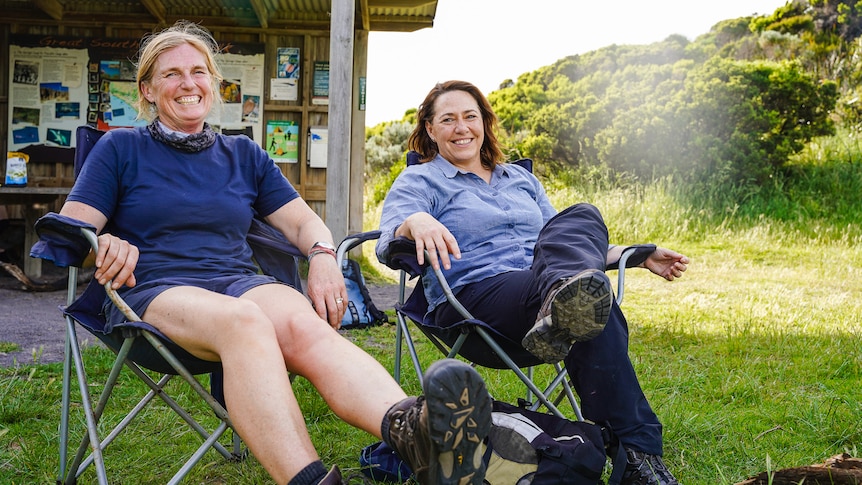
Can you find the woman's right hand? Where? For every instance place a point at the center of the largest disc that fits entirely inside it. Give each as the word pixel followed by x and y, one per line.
pixel 116 260
pixel 432 236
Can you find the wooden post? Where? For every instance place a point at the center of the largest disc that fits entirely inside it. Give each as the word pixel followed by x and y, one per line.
pixel 357 150
pixel 340 111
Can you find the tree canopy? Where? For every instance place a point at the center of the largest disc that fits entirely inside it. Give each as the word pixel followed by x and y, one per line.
pixel 732 106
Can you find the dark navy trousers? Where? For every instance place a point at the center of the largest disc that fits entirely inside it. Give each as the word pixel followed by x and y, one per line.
pixel 574 240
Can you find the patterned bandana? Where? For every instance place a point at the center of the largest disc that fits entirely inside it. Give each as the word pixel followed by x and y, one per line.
pixel 183 141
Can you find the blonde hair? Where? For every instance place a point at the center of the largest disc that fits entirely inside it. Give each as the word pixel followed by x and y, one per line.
pixel 153 45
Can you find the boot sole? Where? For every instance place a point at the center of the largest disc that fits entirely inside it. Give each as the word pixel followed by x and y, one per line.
pixel 459 419
pixel 579 311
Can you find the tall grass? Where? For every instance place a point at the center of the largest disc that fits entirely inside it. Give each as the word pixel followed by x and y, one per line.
pixel 751 360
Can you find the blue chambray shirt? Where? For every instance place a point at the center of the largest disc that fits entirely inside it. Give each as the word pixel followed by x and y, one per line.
pixel 496 224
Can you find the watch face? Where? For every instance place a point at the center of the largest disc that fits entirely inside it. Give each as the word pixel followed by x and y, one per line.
pixel 325 245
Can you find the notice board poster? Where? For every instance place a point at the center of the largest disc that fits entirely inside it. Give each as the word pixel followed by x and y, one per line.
pixel 241 91
pixel 60 83
pixel 282 141
pixel 320 85
pixel 48 93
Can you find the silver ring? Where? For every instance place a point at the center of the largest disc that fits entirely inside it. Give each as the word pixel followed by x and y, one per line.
pixel 339 300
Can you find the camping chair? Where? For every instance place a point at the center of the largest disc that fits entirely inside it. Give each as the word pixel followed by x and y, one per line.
pixel 138 346
pixel 471 339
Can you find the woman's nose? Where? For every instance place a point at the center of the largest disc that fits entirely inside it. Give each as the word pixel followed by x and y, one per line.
pixel 187 80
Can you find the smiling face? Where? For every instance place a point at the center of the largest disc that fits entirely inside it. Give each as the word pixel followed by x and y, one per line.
pixel 181 88
pixel 457 129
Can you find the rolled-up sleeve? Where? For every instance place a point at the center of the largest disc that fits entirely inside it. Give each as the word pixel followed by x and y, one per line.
pixel 408 195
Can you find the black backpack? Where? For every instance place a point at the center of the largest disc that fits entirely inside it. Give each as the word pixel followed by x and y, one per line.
pixel 531 448
pixel 361 311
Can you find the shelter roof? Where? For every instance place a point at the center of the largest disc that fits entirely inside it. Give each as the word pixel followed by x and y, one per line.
pixel 372 15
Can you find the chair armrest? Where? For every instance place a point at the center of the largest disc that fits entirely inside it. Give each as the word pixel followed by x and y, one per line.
pixel 353 240
pixel 402 256
pixel 631 257
pixel 61 240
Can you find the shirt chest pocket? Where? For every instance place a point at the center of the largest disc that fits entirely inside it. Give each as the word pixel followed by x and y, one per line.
pixel 475 220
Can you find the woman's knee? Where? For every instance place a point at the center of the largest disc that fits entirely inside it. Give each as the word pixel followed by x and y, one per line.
pixel 243 317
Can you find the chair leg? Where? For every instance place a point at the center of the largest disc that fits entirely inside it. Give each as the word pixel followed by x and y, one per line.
pixel 64 410
pixel 71 294
pixel 411 347
pixel 212 441
pixel 517 370
pixel 89 414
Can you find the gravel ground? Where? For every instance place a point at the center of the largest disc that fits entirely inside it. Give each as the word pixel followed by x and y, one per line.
pixel 33 321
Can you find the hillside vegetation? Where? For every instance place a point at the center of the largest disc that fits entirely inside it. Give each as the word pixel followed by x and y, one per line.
pixel 741 149
pixel 757 118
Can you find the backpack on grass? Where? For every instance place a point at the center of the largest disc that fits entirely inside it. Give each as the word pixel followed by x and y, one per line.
pixel 361 311
pixel 528 447
pixel 524 448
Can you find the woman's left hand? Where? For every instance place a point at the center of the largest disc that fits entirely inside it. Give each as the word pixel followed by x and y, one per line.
pixel 326 289
pixel 667 263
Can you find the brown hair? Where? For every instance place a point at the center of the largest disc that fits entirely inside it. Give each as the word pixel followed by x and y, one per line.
pixel 152 46
pixel 490 153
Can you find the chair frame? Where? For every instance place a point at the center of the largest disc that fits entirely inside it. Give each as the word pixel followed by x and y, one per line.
pixel 535 396
pixel 69 472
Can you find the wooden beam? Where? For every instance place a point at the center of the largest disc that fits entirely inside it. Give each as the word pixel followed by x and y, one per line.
pixel 405 24
pixel 357 138
pixel 364 15
pixel 400 3
pixel 261 12
pixel 53 8
pixel 157 10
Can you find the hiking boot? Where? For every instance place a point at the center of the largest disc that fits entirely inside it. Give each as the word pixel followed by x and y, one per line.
pixel 574 311
pixel 644 469
pixel 439 434
pixel 332 478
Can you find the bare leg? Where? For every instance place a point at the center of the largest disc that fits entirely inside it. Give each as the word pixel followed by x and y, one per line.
pixel 258 337
pixel 258 394
pixel 342 372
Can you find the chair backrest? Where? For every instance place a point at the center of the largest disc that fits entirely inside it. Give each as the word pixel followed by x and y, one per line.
pixel 86 138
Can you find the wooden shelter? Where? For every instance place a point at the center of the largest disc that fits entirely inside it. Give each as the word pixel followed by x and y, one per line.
pixel 324 107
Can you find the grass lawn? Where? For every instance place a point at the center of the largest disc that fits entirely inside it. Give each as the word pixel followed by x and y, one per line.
pixel 752 361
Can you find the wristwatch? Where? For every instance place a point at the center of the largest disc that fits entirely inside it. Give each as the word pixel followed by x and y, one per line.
pixel 322 245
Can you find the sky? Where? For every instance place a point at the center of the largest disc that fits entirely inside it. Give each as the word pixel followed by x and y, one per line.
pixel 486 42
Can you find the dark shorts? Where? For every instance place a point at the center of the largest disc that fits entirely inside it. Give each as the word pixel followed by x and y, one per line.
pixel 140 297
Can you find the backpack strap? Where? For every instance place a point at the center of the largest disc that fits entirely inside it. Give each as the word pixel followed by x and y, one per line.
pixel 617 455
pixel 618 466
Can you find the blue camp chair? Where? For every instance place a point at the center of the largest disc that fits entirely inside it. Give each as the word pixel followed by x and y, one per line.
pixel 471 339
pixel 140 347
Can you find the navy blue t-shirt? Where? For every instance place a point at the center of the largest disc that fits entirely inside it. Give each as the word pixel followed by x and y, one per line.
pixel 188 213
